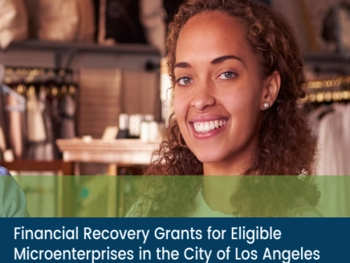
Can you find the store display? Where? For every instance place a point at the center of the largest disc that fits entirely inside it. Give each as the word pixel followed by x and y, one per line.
pixel 123 132
pixel 65 20
pixel 13 22
pixel 135 125
pixel 139 126
pixel 49 96
pixel 149 129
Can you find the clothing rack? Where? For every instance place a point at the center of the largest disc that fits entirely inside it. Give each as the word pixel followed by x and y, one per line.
pixel 6 90
pixel 38 106
pixel 31 79
pixel 328 90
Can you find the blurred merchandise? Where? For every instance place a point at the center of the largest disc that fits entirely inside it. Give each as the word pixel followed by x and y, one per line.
pixel 139 126
pixel 38 109
pixel 123 132
pixel 64 20
pixel 336 27
pixel 135 125
pixel 153 20
pixel 149 130
pixel 14 22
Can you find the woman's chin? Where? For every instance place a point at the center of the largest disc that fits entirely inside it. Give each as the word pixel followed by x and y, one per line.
pixel 205 158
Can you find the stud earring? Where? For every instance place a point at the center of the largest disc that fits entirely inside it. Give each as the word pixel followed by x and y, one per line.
pixel 266 105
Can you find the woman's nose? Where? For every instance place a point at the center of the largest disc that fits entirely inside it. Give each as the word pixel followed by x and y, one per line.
pixel 202 98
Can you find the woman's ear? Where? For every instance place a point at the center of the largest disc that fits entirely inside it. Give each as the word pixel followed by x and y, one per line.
pixel 270 90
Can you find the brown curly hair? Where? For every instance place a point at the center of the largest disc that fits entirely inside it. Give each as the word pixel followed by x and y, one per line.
pixel 285 145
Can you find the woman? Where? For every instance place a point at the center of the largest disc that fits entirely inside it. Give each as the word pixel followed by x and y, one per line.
pixel 237 76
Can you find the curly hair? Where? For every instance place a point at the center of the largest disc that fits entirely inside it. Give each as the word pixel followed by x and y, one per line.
pixel 285 145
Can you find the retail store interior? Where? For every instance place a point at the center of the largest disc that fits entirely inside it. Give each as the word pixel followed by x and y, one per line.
pixel 85 91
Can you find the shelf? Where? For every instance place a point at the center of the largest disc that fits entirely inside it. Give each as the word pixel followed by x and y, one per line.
pixel 121 151
pixel 64 53
pixel 327 58
pixel 83 47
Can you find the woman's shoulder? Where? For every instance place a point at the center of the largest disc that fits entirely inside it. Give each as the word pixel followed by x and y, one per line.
pixel 304 209
pixel 141 207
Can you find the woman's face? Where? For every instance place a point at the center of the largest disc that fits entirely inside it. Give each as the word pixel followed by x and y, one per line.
pixel 219 92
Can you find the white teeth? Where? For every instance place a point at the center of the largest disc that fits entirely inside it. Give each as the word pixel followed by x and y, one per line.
pixel 212 125
pixel 216 124
pixel 196 126
pixel 208 125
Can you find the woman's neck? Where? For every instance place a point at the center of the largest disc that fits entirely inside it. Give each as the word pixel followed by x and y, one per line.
pixel 218 190
pixel 235 164
pixel 222 179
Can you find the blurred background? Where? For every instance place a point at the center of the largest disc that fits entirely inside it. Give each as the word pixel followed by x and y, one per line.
pixel 85 91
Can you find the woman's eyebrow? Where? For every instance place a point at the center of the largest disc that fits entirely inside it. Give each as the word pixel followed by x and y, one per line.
pixel 223 58
pixel 215 61
pixel 182 65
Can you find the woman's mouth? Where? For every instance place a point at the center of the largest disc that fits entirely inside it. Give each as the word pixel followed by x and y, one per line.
pixel 207 126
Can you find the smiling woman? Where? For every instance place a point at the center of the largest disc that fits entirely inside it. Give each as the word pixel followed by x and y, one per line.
pixel 220 92
pixel 237 76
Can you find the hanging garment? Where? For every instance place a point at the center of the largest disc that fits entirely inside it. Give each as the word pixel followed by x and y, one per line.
pixel 56 122
pixel 49 144
pixel 14 25
pixel 64 20
pixel 35 121
pixel 68 117
pixel 86 29
pixel 15 127
pixel 35 128
pixel 152 19
pixel 315 116
pixel 2 139
pixel 3 146
pixel 333 166
pixel 334 142
pixel 335 27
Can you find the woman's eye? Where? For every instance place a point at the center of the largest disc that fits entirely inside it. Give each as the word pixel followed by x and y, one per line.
pixel 227 75
pixel 184 81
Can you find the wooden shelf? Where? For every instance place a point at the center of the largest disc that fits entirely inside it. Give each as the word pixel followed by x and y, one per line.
pixel 329 63
pixel 75 55
pixel 120 151
pixel 84 47
pixel 327 58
